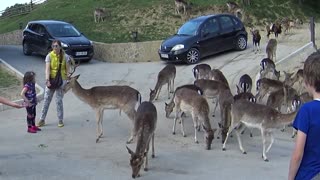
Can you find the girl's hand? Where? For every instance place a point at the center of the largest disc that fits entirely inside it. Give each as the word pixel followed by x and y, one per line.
pixel 48 83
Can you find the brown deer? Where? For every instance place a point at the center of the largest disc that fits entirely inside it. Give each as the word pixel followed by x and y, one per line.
pixel 100 98
pixel 274 28
pixel 281 97
pixel 187 100
pixel 259 116
pixel 99 14
pixel 211 89
pixel 180 4
pixel 266 85
pixel 216 74
pixel 232 6
pixel 271 49
pixel 165 76
pixel 145 123
pixel 201 71
pixel 268 69
pixel 245 84
pixel 256 37
pixel 169 107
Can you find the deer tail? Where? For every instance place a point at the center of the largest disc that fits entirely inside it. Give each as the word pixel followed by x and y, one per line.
pixel 195 72
pixel 226 120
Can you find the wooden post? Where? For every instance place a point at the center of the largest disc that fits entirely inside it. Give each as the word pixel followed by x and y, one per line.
pixel 312 31
pixel 31 5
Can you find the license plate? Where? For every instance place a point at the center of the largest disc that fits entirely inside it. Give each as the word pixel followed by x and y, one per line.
pixel 82 53
pixel 164 55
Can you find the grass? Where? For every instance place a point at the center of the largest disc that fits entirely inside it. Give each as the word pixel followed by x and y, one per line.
pixel 7 79
pixel 153 19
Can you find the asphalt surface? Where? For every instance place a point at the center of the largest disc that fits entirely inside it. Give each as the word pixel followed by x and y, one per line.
pixel 70 152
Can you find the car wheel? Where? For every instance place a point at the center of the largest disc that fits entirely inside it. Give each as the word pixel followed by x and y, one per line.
pixel 193 56
pixel 26 49
pixel 241 43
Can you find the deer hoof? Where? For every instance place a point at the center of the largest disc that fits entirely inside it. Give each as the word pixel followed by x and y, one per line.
pixel 244 152
pixel 213 115
pixel 223 149
pixel 218 137
pixel 173 133
pixel 153 156
pixel 97 140
pixel 282 130
pixel 251 135
pixel 184 135
pixel 145 169
pixel 266 160
pixel 197 142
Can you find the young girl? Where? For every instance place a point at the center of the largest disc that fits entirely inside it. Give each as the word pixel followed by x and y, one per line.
pixel 29 95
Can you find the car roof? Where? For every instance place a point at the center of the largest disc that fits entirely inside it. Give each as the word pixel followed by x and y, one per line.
pixel 45 22
pixel 203 18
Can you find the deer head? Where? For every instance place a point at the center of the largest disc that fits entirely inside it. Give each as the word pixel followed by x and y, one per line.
pixel 208 136
pixel 70 83
pixel 169 108
pixel 136 161
pixel 153 94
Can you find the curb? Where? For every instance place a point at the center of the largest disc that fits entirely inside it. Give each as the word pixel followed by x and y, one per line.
pixel 20 76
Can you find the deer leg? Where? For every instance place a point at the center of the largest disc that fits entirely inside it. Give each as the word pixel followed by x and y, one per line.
pixel 158 93
pixel 172 86
pixel 215 107
pixel 232 126
pixel 271 142
pixel 175 119
pixel 99 129
pixel 153 154
pixel 182 127
pixel 195 125
pixel 263 135
pixel 130 113
pixel 169 87
pixel 146 157
pixel 240 128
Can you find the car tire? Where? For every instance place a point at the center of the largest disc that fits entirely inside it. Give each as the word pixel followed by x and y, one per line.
pixel 26 49
pixel 241 43
pixel 193 56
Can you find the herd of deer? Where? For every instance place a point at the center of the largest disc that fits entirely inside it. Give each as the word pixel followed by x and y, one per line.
pixel 237 111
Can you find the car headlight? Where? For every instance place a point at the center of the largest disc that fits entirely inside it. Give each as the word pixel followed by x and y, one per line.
pixel 91 43
pixel 177 47
pixel 64 44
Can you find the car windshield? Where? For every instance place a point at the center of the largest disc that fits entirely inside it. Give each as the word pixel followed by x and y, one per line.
pixel 189 28
pixel 63 30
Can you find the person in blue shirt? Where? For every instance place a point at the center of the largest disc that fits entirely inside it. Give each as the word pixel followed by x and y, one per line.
pixel 305 160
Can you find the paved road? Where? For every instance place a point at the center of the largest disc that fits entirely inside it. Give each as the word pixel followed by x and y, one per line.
pixel 70 152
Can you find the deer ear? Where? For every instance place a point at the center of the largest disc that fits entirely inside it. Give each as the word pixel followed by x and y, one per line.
pixel 204 127
pixel 77 76
pixel 238 89
pixel 166 104
pixel 150 90
pixel 129 150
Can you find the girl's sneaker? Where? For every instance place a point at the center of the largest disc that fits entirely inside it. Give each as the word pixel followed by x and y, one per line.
pixel 41 123
pixel 36 128
pixel 31 130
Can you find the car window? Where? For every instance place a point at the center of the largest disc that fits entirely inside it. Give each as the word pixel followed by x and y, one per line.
pixel 63 30
pixel 33 27
pixel 237 23
pixel 189 28
pixel 211 26
pixel 41 29
pixel 226 22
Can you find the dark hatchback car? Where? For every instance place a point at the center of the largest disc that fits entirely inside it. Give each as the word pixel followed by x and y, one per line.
pixel 38 36
pixel 204 36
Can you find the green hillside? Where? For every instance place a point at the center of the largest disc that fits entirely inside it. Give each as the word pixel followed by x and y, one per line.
pixel 153 19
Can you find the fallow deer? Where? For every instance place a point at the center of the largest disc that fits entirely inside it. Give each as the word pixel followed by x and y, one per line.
pixel 169 107
pixel 256 37
pixel 281 97
pixel 99 14
pixel 275 28
pixel 180 4
pixel 165 76
pixel 268 69
pixel 145 123
pixel 266 85
pixel 216 74
pixel 232 6
pixel 259 116
pixel 187 100
pixel 298 77
pixel 271 49
pixel 201 71
pixel 245 84
pixel 100 98
pixel 211 89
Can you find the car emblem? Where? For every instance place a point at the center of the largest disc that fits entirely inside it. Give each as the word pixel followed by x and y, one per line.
pixel 165 47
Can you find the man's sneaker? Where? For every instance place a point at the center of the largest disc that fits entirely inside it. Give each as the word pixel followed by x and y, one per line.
pixel 60 124
pixel 31 130
pixel 36 128
pixel 41 123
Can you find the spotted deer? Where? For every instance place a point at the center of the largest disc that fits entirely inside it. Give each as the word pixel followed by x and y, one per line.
pixel 265 118
pixel 201 71
pixel 187 100
pixel 271 49
pixel 245 84
pixel 145 123
pixel 100 98
pixel 169 107
pixel 165 76
pixel 211 89
pixel 283 96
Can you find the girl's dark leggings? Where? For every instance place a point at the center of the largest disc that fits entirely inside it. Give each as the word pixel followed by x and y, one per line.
pixel 31 115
